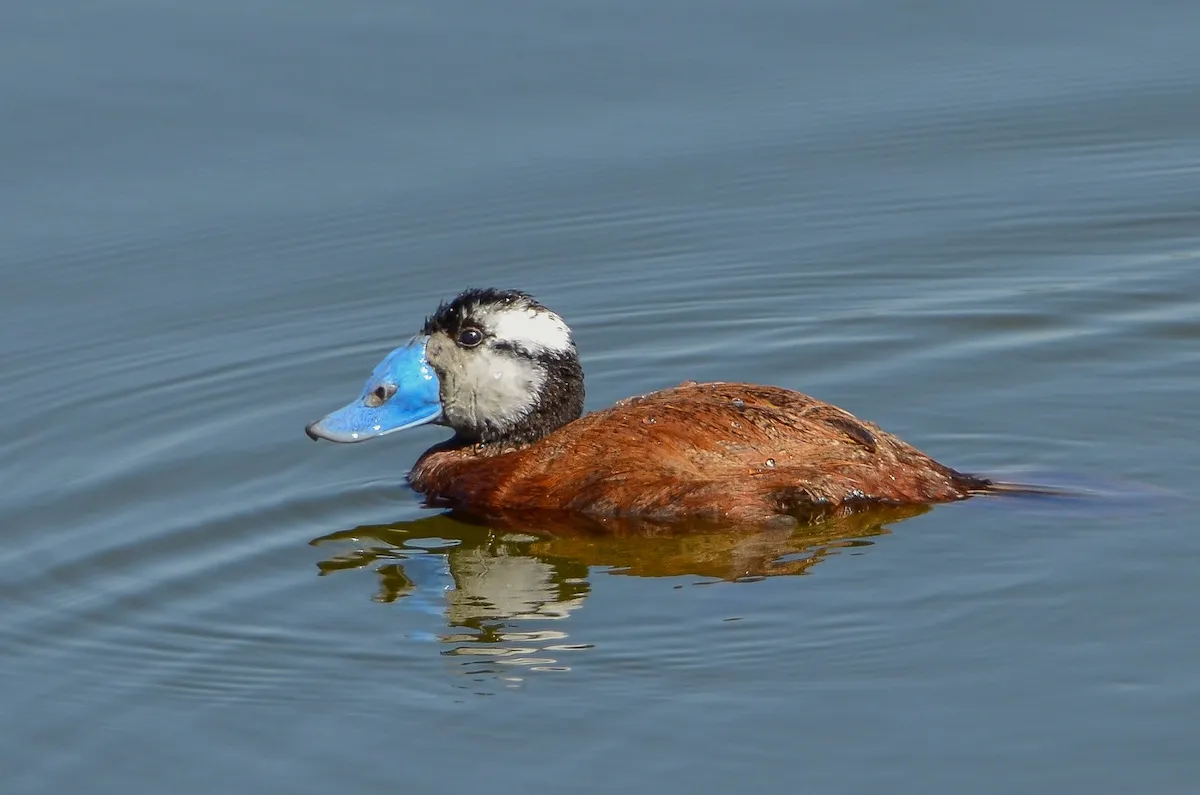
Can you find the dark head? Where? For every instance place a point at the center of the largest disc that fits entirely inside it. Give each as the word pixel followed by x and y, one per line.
pixel 494 365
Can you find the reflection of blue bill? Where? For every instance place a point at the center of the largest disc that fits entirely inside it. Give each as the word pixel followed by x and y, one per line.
pixel 430 574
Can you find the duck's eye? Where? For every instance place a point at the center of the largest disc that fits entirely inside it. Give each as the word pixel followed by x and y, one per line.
pixel 470 337
pixel 380 395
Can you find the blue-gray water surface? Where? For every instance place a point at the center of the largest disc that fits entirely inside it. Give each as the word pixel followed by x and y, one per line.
pixel 975 224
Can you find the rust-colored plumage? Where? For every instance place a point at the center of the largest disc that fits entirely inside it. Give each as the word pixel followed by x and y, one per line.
pixel 723 451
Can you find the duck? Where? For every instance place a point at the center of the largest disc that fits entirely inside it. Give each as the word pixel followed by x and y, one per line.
pixel 502 371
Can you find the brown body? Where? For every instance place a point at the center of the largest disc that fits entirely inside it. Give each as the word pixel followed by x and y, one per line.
pixel 720 451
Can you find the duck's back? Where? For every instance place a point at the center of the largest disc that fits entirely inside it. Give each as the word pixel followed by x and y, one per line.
pixel 740 452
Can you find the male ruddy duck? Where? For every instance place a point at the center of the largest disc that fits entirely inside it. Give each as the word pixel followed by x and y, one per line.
pixel 502 371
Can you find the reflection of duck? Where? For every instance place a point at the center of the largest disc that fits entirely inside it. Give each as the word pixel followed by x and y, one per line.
pixel 518 567
pixel 502 371
pixel 503 586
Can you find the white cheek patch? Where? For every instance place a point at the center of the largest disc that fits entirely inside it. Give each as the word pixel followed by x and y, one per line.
pixel 503 388
pixel 536 330
pixel 482 388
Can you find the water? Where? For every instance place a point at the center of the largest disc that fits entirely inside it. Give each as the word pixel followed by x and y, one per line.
pixel 976 225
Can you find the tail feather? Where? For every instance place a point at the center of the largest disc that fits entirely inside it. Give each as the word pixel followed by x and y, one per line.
pixel 1069 489
pixel 984 487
